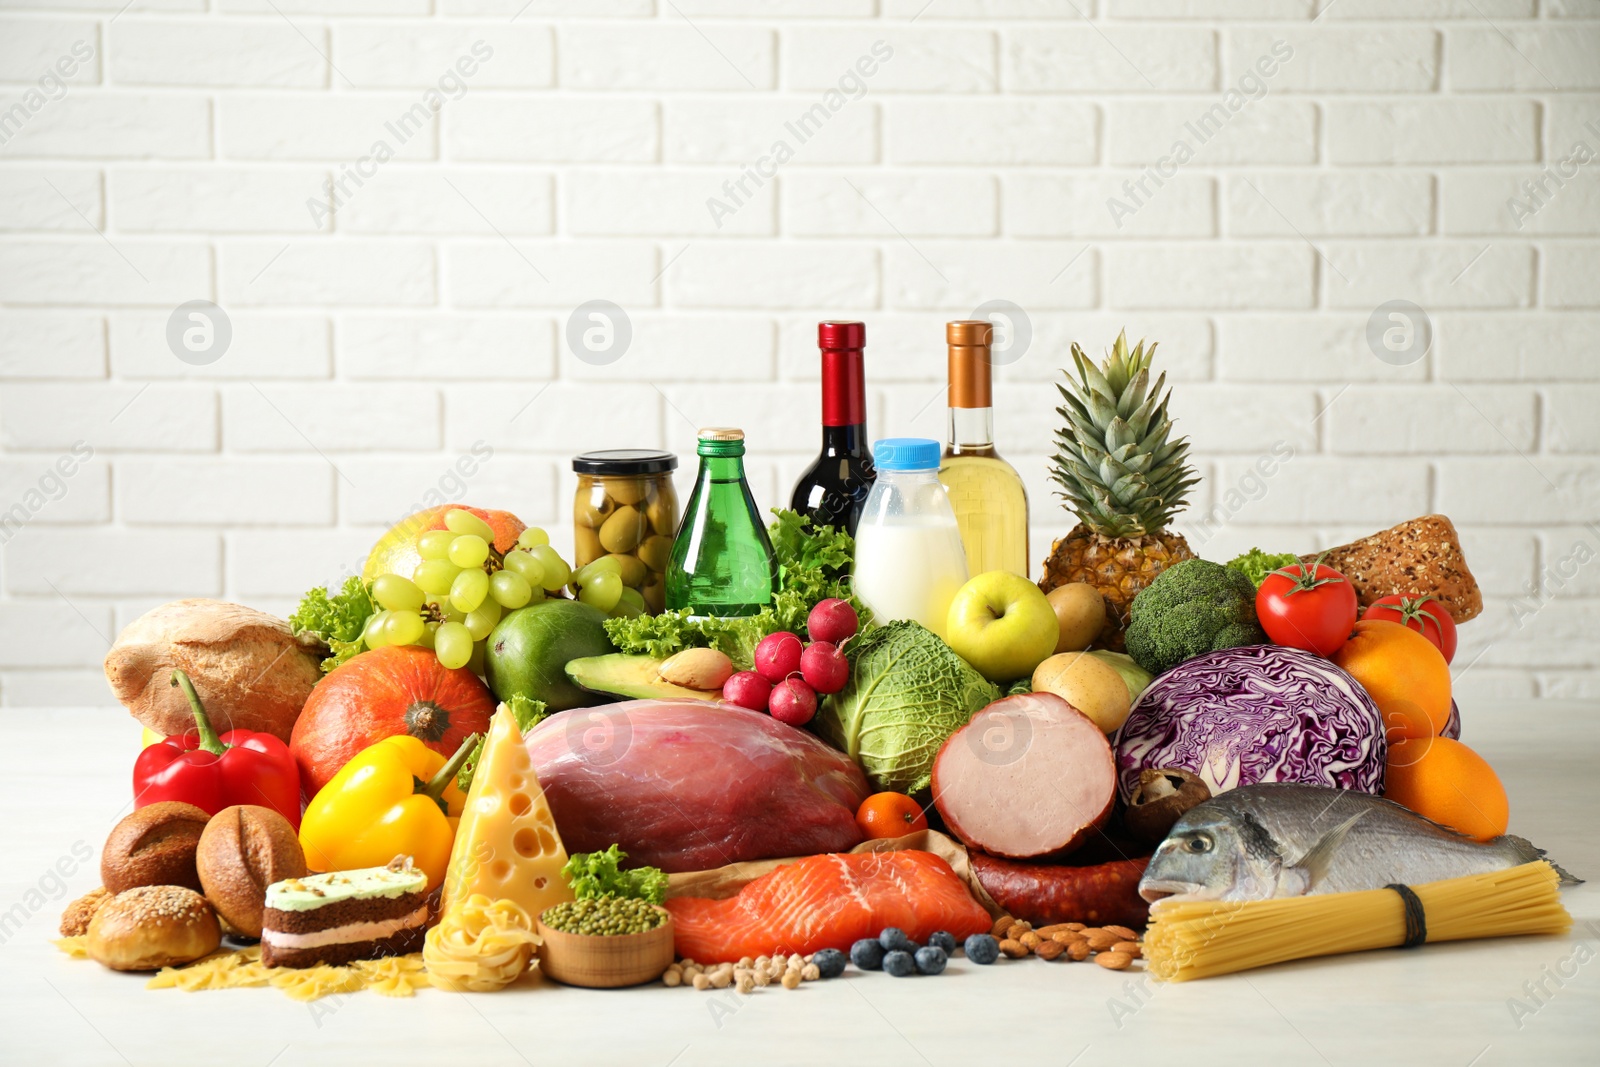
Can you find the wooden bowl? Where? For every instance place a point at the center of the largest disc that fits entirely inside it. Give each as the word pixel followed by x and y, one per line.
pixel 609 961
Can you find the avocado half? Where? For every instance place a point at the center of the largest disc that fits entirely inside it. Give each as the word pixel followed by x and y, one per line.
pixel 631 678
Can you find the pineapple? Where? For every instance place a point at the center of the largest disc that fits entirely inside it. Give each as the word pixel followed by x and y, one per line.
pixel 1124 479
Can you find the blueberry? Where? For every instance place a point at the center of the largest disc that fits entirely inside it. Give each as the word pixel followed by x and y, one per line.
pixel 830 961
pixel 868 954
pixel 894 939
pixel 899 964
pixel 942 939
pixel 931 959
pixel 982 948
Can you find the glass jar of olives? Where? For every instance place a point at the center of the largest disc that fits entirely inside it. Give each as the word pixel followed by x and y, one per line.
pixel 626 508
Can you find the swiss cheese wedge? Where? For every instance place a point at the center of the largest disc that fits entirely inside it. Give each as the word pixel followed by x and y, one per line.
pixel 506 846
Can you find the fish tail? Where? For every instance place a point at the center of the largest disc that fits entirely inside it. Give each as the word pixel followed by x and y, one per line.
pixel 1526 851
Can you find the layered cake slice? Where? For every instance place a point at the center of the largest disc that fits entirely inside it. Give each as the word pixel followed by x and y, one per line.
pixel 345 915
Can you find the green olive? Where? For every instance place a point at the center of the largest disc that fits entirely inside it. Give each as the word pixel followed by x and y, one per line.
pixel 592 512
pixel 585 546
pixel 633 571
pixel 655 552
pixel 662 511
pixel 627 490
pixel 621 532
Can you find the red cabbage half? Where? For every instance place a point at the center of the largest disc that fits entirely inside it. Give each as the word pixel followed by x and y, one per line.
pixel 1260 713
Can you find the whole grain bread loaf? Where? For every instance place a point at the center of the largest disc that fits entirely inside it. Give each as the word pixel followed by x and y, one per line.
pixel 1421 556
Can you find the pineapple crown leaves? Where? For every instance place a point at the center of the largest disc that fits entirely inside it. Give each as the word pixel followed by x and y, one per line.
pixel 1115 462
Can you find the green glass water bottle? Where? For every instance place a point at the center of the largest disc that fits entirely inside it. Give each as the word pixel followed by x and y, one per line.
pixel 722 562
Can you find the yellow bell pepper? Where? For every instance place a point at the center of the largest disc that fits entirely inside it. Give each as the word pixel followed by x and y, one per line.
pixel 396 797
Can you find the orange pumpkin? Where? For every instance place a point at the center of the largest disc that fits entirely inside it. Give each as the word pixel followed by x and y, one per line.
pixel 399 689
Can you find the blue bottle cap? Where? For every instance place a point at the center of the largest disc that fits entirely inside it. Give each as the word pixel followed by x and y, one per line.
pixel 905 454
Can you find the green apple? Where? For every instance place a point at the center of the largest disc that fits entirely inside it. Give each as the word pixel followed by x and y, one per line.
pixel 1003 625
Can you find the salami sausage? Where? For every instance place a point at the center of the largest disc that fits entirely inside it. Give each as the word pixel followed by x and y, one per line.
pixel 1046 893
pixel 1029 776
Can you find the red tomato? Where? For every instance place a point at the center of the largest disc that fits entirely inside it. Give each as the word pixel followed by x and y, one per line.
pixel 1424 614
pixel 1309 608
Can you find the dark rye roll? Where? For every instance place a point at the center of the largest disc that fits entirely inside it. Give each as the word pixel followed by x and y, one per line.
pixel 344 916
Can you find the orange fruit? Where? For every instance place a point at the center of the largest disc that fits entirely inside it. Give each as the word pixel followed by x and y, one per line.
pixel 1406 676
pixel 396 551
pixel 1449 783
pixel 885 815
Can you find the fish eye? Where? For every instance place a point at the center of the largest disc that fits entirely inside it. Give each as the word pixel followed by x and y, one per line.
pixel 1198 843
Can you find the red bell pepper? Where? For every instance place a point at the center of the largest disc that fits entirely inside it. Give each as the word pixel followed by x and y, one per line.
pixel 212 773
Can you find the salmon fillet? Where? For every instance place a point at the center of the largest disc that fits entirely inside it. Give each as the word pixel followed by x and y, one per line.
pixel 828 901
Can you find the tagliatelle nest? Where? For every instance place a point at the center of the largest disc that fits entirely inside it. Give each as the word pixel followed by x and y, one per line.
pixel 480 945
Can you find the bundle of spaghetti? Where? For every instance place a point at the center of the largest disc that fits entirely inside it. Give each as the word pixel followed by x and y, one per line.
pixel 1200 939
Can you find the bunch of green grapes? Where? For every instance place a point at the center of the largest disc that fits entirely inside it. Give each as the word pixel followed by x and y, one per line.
pixel 457 594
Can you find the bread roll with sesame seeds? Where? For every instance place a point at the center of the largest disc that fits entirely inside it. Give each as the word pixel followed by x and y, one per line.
pixel 151 927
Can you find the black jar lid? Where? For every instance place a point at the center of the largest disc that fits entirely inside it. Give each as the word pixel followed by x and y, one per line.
pixel 625 461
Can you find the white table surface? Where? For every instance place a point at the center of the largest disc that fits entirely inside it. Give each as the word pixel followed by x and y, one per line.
pixel 67 782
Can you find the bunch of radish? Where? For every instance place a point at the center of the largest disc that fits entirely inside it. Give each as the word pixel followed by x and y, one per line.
pixel 790 673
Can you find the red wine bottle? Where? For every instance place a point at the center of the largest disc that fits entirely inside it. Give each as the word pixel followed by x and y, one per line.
pixel 835 486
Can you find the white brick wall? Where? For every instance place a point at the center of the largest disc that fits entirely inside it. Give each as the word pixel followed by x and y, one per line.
pixel 397 301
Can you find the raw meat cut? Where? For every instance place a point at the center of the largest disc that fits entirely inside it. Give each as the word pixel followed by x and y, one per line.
pixel 1028 776
pixel 685 785
pixel 829 902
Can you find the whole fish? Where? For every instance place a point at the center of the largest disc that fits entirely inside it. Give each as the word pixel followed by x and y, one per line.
pixel 1262 841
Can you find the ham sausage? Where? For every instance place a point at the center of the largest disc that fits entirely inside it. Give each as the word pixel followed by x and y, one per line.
pixel 1046 893
pixel 1028 776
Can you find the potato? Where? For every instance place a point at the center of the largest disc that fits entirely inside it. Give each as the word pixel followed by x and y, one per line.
pixel 1091 685
pixel 1080 612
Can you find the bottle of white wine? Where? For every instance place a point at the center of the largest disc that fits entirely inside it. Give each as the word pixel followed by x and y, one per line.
pixel 988 496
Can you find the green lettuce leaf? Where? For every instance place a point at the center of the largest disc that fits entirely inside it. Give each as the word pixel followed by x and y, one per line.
pixel 814 564
pixel 337 620
pixel 599 874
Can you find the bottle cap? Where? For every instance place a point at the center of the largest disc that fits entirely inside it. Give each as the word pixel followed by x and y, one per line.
pixel 834 335
pixel 722 433
pixel 625 461
pixel 969 341
pixel 905 454
pixel 969 333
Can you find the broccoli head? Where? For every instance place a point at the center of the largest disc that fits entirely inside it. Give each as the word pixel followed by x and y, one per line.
pixel 1192 608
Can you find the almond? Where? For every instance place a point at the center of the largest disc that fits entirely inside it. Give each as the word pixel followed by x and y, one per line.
pixel 1101 940
pixel 1078 951
pixel 1001 925
pixel 1130 947
pixel 1049 950
pixel 697 668
pixel 1114 961
pixel 1122 932
pixel 1031 939
pixel 1014 949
